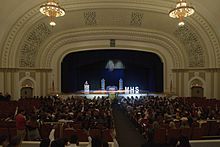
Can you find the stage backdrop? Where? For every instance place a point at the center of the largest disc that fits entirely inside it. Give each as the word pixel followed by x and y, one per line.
pixel 136 68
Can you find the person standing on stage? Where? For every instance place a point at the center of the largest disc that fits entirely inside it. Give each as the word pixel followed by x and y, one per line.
pixel 20 124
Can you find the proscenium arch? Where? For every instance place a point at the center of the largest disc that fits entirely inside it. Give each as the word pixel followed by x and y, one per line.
pixel 137 68
pixel 12 39
pixel 70 50
pixel 99 38
pixel 158 47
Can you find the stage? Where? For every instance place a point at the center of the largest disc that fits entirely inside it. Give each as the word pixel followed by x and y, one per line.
pixel 103 93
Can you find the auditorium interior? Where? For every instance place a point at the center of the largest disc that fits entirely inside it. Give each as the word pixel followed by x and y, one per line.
pixel 122 72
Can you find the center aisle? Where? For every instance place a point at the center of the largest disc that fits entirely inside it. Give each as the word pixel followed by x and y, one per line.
pixel 127 134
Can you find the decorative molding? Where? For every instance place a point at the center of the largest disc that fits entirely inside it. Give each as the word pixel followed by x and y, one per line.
pixel 136 18
pixel 33 75
pixel 31 44
pixel 160 39
pixel 90 18
pixel 27 83
pixel 25 69
pixel 21 75
pixel 159 6
pixel 196 73
pixel 13 32
pixel 196 69
pixel 202 75
pixel 27 74
pixel 212 36
pixel 191 75
pixel 196 82
pixel 191 43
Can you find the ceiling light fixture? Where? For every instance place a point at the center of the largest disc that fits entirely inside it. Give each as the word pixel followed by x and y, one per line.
pixel 52 10
pixel 181 10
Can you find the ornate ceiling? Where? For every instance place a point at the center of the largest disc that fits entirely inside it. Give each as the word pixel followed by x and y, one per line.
pixel 23 29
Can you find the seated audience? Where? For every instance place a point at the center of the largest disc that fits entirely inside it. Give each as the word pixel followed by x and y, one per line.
pixel 96 142
pixel 74 142
pixel 15 142
pixel 183 142
pixel 3 140
pixel 61 142
pixel 172 125
pixel 45 143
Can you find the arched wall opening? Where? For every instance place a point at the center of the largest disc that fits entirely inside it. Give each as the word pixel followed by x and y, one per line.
pixel 56 60
pixel 135 68
pixel 197 87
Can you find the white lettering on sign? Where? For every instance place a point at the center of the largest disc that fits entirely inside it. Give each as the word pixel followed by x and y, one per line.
pixel 132 90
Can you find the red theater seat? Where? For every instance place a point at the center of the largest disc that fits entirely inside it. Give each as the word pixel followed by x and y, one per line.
pixel 213 128
pixel 160 136
pixel 68 132
pixel 186 132
pixel 4 131
pixel 95 133
pixel 197 133
pixel 12 132
pixel 205 128
pixel 173 135
pixel 82 136
pixel 106 135
pixel 45 130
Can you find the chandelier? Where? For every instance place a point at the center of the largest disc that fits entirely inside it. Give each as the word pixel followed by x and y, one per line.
pixel 52 10
pixel 181 10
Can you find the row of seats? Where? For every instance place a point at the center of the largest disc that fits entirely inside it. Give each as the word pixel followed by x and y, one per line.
pixel 203 102
pixel 170 136
pixel 60 131
pixel 8 108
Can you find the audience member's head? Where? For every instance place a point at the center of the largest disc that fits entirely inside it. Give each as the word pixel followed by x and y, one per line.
pixel 183 142
pixel 74 139
pixel 54 144
pixel 96 142
pixel 15 141
pixel 61 142
pixel 172 125
pixel 105 144
pixel 22 111
pixel 4 140
pixel 156 125
pixel 45 143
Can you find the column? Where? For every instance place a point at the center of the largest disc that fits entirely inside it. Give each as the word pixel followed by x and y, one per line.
pixel 16 85
pixel 46 83
pixel 208 85
pixel 7 77
pixel 177 83
pixel 165 79
pixel 120 84
pixel 212 84
pixel 102 84
pixel 43 83
pixel 37 88
pixel 12 85
pixel 2 88
pixel 182 83
pixel 186 85
pixel 174 83
pixel 216 84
